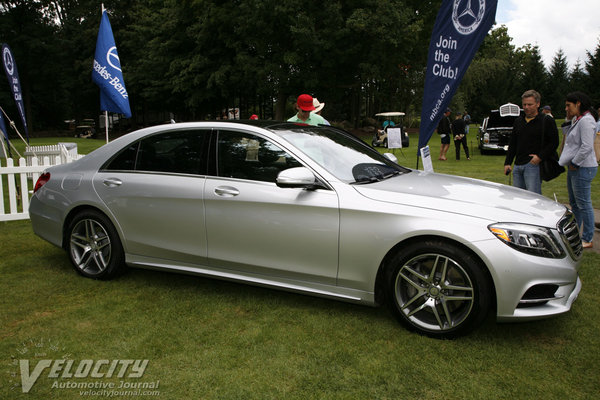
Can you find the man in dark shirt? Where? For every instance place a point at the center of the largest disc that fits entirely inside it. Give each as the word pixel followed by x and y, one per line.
pixel 460 138
pixel 534 138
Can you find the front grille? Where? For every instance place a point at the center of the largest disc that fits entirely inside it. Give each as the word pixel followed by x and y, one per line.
pixel 569 232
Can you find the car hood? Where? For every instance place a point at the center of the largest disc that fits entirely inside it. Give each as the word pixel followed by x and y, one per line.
pixel 491 201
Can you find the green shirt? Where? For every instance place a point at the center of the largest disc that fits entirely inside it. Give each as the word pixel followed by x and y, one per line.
pixel 313 119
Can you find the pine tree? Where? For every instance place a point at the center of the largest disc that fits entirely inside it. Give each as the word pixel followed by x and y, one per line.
pixel 558 84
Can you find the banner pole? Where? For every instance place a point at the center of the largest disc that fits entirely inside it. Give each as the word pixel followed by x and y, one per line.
pixel 7 154
pixel 106 124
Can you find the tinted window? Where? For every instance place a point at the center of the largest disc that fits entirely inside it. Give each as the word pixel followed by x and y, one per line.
pixel 179 152
pixel 125 160
pixel 246 156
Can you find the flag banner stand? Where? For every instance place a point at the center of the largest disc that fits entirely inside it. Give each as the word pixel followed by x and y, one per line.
pixel 459 29
pixel 10 67
pixel 107 73
pixel 106 124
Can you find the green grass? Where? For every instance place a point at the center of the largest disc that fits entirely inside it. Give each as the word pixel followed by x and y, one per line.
pixel 208 339
pixel 84 146
pixel 217 340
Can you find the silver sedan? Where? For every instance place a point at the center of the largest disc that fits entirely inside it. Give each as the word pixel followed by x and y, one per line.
pixel 312 210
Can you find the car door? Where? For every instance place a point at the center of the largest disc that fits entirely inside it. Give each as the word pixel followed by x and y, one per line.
pixel 154 189
pixel 255 226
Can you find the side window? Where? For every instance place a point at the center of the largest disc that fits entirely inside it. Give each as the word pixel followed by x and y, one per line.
pixel 125 160
pixel 182 152
pixel 246 156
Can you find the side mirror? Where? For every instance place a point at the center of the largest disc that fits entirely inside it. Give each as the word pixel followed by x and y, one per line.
pixel 391 157
pixel 299 177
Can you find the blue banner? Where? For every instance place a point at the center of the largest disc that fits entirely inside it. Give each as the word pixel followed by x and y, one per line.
pixel 460 27
pixel 107 72
pixel 10 67
pixel 5 136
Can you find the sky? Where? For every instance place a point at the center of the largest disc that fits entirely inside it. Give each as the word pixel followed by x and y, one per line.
pixel 571 25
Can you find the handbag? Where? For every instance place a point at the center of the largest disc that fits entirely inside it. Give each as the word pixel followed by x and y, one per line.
pixel 550 169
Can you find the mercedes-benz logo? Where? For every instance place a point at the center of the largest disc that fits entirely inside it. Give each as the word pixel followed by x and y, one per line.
pixel 113 58
pixel 466 17
pixel 8 61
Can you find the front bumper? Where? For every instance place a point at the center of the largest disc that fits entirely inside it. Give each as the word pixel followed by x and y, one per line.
pixel 517 275
pixel 566 295
pixel 493 146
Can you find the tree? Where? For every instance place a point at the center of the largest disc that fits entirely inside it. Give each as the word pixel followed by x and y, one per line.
pixel 194 58
pixel 28 32
pixel 592 67
pixel 490 80
pixel 558 84
pixel 531 70
pixel 578 77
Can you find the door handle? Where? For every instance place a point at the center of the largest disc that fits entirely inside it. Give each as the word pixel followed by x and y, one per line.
pixel 112 182
pixel 226 191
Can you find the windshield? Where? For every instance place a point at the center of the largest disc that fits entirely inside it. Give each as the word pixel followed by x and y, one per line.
pixel 345 156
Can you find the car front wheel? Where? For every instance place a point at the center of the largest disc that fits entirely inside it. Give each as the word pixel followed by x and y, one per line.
pixel 437 289
pixel 94 246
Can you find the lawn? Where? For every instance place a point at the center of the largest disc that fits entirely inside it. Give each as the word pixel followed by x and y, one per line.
pixel 209 339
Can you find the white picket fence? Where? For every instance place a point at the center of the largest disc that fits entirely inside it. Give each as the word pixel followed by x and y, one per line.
pixel 17 181
pixel 66 151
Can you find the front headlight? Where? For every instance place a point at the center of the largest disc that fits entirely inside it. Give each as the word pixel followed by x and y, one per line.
pixel 529 239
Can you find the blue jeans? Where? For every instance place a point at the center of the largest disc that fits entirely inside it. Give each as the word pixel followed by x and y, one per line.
pixel 527 176
pixel 579 185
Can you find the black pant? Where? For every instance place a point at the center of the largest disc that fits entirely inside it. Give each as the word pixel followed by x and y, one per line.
pixel 457 143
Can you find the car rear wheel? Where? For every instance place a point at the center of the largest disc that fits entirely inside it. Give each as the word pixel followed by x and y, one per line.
pixel 94 246
pixel 437 289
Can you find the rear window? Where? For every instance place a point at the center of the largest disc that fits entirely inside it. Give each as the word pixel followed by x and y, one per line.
pixel 182 152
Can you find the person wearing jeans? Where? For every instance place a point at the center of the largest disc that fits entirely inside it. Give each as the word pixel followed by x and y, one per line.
pixel 578 155
pixel 527 176
pixel 534 138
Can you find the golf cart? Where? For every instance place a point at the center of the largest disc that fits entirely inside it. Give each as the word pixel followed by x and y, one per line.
pixel 87 129
pixel 389 120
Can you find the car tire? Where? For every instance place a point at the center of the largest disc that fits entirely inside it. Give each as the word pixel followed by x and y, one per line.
pixel 437 289
pixel 94 247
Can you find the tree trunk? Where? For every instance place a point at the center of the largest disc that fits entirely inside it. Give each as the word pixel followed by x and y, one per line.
pixel 280 106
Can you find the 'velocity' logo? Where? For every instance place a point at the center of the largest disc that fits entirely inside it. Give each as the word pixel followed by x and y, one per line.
pixel 467 17
pixel 45 359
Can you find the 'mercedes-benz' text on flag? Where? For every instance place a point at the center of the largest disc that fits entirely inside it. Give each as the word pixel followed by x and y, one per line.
pixel 460 27
pixel 107 72
pixel 10 67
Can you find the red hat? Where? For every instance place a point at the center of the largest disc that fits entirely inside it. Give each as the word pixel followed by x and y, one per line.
pixel 254 116
pixel 305 102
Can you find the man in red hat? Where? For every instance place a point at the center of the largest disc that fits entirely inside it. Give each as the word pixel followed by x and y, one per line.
pixel 304 105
